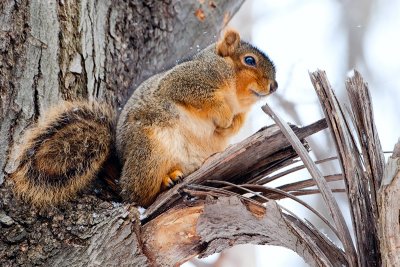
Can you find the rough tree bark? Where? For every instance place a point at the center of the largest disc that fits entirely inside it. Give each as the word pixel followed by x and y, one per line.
pixel 389 199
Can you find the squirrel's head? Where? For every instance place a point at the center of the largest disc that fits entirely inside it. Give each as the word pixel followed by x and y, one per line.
pixel 255 72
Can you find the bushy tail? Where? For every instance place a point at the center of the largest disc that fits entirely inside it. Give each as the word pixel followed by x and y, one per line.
pixel 64 151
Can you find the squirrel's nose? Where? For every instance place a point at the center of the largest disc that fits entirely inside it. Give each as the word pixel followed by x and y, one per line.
pixel 273 86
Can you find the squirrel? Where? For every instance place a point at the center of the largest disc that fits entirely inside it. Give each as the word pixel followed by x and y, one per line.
pixel 170 125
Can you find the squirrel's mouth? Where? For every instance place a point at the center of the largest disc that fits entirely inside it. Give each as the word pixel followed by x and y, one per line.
pixel 258 94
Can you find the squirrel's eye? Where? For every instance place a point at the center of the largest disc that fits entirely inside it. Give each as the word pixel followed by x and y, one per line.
pixel 249 60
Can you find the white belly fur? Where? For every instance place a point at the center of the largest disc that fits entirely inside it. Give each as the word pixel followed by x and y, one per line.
pixel 190 143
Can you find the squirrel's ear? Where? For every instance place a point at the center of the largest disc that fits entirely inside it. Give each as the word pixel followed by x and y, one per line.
pixel 227 45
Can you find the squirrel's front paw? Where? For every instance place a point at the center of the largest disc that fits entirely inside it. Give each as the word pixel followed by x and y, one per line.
pixel 222 115
pixel 237 123
pixel 223 122
pixel 171 179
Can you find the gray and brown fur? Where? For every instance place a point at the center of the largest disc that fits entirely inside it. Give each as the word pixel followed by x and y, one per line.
pixel 171 124
pixel 177 119
pixel 64 151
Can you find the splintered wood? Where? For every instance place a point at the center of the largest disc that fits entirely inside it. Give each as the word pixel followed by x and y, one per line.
pixel 326 193
pixel 357 166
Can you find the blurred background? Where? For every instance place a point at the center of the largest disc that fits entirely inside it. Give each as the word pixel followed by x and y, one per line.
pixel 302 36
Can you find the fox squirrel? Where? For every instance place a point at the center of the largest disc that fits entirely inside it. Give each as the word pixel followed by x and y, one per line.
pixel 170 125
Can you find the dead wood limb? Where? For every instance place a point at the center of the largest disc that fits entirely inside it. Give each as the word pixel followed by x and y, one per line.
pixel 213 225
pixel 260 153
pixel 389 211
pixel 308 183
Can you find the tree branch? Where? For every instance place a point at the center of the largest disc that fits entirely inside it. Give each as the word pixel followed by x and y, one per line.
pixel 209 227
pixel 258 155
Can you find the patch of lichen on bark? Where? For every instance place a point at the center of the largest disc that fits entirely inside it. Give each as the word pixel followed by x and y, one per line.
pixel 72 76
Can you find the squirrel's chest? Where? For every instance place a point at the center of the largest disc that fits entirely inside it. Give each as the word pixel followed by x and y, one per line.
pixel 190 143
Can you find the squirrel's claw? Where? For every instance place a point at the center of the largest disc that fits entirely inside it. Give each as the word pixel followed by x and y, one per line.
pixel 167 182
pixel 171 179
pixel 176 175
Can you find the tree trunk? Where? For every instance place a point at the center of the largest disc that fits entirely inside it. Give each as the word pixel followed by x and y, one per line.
pixel 54 50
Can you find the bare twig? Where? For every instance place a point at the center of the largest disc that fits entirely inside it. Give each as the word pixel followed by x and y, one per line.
pixel 223 191
pixel 299 185
pixel 294 169
pixel 309 182
pixel 306 192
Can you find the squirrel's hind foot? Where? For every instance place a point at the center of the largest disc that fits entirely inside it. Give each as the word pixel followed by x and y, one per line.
pixel 171 179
